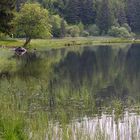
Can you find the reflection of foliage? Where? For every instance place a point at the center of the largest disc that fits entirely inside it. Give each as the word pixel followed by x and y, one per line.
pixel 118 108
pixel 7 65
pixel 132 60
pixel 65 85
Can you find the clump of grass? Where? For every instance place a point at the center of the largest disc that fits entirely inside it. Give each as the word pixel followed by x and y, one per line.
pixel 12 128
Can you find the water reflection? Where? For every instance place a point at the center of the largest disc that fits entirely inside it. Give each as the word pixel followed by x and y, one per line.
pixel 102 128
pixel 103 72
pixel 76 83
pixel 127 128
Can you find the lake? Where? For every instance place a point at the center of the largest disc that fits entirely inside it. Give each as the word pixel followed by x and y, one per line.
pixel 72 93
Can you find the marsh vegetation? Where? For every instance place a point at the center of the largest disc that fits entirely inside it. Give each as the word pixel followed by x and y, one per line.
pixel 71 93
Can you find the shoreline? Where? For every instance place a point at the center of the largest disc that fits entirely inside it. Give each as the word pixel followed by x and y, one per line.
pixel 65 42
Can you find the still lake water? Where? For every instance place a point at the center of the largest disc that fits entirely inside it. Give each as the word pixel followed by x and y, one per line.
pixel 94 90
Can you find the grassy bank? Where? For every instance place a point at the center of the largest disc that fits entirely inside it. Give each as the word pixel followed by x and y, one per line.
pixel 58 43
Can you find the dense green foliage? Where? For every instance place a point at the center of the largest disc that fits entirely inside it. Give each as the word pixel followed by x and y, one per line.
pixel 33 22
pixel 80 17
pixel 97 17
pixel 105 13
pixel 6 15
pixel 119 32
pixel 133 11
pixel 104 16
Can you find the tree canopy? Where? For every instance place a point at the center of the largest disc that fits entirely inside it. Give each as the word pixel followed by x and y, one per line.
pixel 6 15
pixel 99 15
pixel 33 22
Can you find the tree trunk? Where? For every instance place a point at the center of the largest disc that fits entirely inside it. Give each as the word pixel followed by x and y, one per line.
pixel 27 42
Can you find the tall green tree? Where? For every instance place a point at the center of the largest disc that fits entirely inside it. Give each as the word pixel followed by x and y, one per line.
pixel 55 21
pixel 80 11
pixel 121 16
pixel 6 15
pixel 133 14
pixel 48 4
pixel 19 4
pixel 63 28
pixel 73 11
pixel 59 6
pixel 119 11
pixel 87 12
pixel 33 22
pixel 104 16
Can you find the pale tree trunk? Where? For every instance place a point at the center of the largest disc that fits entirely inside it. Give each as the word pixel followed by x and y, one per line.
pixel 28 39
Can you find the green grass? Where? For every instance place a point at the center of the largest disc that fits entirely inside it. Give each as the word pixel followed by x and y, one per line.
pixel 66 42
pixel 11 43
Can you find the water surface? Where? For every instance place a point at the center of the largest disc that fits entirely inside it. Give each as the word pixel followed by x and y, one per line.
pixel 93 90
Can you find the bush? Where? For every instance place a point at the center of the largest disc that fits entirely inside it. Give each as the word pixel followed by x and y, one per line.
pixel 3 36
pixel 56 25
pixel 125 25
pixel 119 32
pixel 57 22
pixel 73 31
pixel 81 27
pixel 85 34
pixel 93 30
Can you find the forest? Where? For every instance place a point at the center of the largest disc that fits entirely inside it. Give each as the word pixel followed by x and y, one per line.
pixel 72 18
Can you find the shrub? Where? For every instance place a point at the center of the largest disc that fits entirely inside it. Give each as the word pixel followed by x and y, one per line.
pixel 81 27
pixel 119 32
pixel 85 33
pixel 125 25
pixel 73 31
pixel 93 30
pixel 56 25
pixel 3 36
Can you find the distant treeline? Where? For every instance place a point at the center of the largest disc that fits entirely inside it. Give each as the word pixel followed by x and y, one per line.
pixel 104 13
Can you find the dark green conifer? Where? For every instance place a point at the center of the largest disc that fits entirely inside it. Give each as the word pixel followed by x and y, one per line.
pixel 6 15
